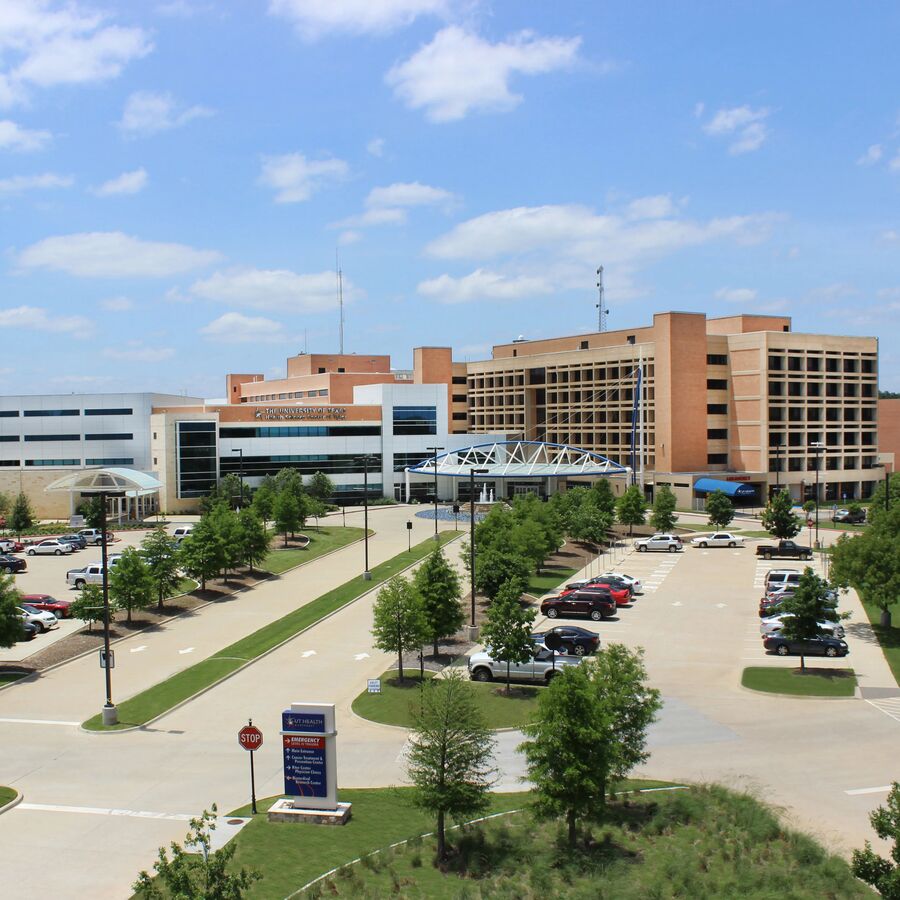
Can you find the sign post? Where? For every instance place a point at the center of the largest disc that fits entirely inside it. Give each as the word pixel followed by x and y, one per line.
pixel 250 738
pixel 409 535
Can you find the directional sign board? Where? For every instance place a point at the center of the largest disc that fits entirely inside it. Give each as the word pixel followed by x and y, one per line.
pixel 250 737
pixel 373 685
pixel 308 748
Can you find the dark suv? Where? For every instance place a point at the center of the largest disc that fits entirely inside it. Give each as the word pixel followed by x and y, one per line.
pixel 11 564
pixel 597 604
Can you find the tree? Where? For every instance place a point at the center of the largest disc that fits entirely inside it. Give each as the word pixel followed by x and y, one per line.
pixel 5 503
pixel 130 583
pixel 88 606
pixel 161 555
pixel 286 513
pixel 720 509
pixel 591 524
pixel 320 487
pixel 631 508
pixel 264 499
pixel 778 517
pixel 807 607
pixel 315 508
pixel 602 494
pixel 883 874
pixel 93 512
pixel 252 538
pixel 889 487
pixel 22 516
pixel 438 586
pixel 450 752
pixel 201 552
pixel 495 566
pixel 540 521
pixel 399 619
pixel 10 620
pixel 870 562
pixel 591 729
pixel 290 480
pixel 507 630
pixel 224 522
pixel 193 876
pixel 663 517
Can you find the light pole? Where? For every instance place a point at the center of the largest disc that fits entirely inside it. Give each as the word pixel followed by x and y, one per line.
pixel 367 575
pixel 817 447
pixel 472 474
pixel 110 715
pixel 435 451
pixel 241 471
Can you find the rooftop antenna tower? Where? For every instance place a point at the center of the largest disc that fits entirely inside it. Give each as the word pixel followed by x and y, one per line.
pixel 340 289
pixel 602 311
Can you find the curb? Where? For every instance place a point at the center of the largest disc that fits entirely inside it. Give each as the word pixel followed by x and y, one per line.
pixel 14 802
pixel 249 663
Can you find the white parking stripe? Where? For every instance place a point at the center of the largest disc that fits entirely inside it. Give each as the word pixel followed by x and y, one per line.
pixel 100 811
pixel 890 706
pixel 36 722
pixel 874 790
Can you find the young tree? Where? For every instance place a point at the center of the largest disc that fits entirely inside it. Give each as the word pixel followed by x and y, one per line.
pixel 591 524
pixel 631 508
pixel 22 517
pixel 720 509
pixel 438 586
pixel 807 607
pixel 88 606
pixel 201 553
pixel 507 630
pixel 92 510
pixel 663 517
pixel 130 583
pixel 602 494
pixel 224 521
pixel 320 487
pixel 252 538
pixel 193 875
pixel 450 753
pixel 495 566
pixel 10 620
pixel 5 503
pixel 264 499
pixel 399 620
pixel 883 874
pixel 161 554
pixel 286 513
pixel 315 508
pixel 778 517
pixel 531 541
pixel 290 480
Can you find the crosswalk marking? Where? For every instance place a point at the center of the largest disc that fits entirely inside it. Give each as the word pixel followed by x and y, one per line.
pixel 890 706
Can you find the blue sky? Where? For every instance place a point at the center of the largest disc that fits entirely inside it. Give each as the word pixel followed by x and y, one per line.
pixel 177 177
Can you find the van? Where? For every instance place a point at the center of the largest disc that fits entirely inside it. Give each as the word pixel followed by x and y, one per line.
pixel 181 532
pixel 776 579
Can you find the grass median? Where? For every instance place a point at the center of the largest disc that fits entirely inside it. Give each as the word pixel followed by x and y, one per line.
pixel 888 638
pixel 549 578
pixel 7 795
pixel 322 541
pixel 812 682
pixel 153 702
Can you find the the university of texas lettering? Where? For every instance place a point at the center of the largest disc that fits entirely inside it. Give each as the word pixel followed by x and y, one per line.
pixel 301 412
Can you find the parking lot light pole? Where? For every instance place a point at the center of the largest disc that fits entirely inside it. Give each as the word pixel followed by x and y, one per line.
pixel 241 471
pixel 110 715
pixel 817 447
pixel 435 451
pixel 367 575
pixel 472 474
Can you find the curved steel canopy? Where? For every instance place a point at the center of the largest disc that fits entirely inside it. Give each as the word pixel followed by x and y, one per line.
pixel 92 481
pixel 519 459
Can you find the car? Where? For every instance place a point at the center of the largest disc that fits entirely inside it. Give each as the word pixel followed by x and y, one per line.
pixel 619 592
pixel 41 620
pixel 62 609
pixel 182 532
pixel 8 545
pixel 614 580
pixel 51 546
pixel 773 606
pixel 851 517
pixel 596 604
pixel 28 631
pixel 630 580
pixel 670 542
pixel 12 564
pixel 776 578
pixel 719 539
pixel 76 540
pixel 95 536
pixel 772 625
pixel 787 549
pixel 542 667
pixel 820 646
pixel 89 574
pixel 576 641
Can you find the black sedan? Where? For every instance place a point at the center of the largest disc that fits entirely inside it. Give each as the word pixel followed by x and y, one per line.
pixel 576 641
pixel 820 646
pixel 10 564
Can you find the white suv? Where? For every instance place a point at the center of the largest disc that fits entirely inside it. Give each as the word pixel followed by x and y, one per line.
pixel 670 542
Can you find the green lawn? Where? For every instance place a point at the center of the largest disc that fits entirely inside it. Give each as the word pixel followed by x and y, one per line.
pixel 324 541
pixel 550 577
pixel 6 795
pixel 889 638
pixel 185 586
pixel 395 704
pixel 10 677
pixel 154 701
pixel 814 683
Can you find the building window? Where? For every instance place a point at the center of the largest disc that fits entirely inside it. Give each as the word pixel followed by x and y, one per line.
pixel 415 420
pixel 717 409
pixel 196 456
pixel 304 463
pixel 111 436
pixel 292 431
pixel 716 384
pixel 341 369
pixel 459 398
pixel 9 462
pixel 111 461
pixel 124 411
pixel 717 459
pixel 52 437
pixel 52 462
pixel 459 379
pixel 717 434
pixel 9 413
pixel 460 416
pixel 31 413
pixel 716 359
pixel 9 438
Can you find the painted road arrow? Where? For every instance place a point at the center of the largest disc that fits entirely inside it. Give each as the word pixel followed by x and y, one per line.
pixel 139 649
pixel 361 656
pixel 307 653
pixel 186 650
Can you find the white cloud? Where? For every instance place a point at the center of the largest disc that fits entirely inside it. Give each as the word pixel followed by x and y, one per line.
pixel 483 285
pixel 313 18
pixel 657 207
pixel 375 147
pixel 36 318
pixel 43 44
pixel 273 289
pixel 894 164
pixel 126 183
pixel 459 72
pixel 744 126
pixel 18 184
pixel 135 351
pixel 373 217
pixel 150 112
pixel 15 137
pixel 112 254
pixel 891 236
pixel 736 295
pixel 234 328
pixel 406 194
pixel 349 237
pixel 117 304
pixel 872 155
pixel 294 178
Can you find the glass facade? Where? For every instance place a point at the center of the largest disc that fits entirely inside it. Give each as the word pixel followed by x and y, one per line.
pixel 304 463
pixel 415 420
pixel 125 411
pixel 197 471
pixel 284 431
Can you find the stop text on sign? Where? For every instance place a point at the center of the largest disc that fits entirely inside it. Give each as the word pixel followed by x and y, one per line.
pixel 250 737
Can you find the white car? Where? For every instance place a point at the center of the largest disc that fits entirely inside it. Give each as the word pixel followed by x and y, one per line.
pixel 630 580
pixel 7 545
pixel 772 625
pixel 719 539
pixel 51 546
pixel 41 619
pixel 670 542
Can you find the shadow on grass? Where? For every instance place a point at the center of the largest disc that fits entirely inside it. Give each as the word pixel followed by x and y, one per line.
pixel 827 674
pixel 516 691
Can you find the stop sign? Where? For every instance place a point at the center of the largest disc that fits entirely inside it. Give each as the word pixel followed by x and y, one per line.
pixel 250 737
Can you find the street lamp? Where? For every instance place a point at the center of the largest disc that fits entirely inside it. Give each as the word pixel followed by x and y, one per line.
pixel 435 451
pixel 110 715
pixel 818 448
pixel 472 474
pixel 241 471
pixel 367 575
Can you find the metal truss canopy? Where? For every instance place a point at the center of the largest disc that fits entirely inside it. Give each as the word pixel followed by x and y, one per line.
pixel 519 459
pixel 94 481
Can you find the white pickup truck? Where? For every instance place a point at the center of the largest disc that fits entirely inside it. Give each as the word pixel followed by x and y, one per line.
pixel 91 574
pixel 540 668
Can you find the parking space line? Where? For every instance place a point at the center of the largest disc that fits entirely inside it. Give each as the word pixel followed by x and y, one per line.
pixel 36 722
pixel 101 811
pixel 872 790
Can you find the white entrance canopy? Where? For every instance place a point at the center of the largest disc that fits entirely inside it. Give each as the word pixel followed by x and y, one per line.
pixel 129 482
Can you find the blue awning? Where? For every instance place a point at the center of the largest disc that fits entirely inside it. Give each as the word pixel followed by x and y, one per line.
pixel 730 488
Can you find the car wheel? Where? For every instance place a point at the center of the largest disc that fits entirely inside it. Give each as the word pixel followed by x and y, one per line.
pixel 31 552
pixel 596 615
pixel 808 556
pixel 767 556
pixel 732 544
pixel 552 613
pixel 38 627
pixel 551 675
pixel 703 544
pixel 57 552
pixel 79 584
pixel 671 549
pixel 642 548
pixel 482 675
pixel 831 651
pixel 577 650
pixel 783 650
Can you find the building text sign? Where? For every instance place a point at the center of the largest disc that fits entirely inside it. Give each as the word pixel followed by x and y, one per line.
pixel 309 754
pixel 281 413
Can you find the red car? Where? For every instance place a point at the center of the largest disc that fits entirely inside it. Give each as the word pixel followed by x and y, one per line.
pixel 62 609
pixel 622 596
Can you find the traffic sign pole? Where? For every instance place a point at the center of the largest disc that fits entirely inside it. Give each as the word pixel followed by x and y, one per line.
pixel 250 738
pixel 252 785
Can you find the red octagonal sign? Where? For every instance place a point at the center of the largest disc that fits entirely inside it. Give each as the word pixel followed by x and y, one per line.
pixel 250 737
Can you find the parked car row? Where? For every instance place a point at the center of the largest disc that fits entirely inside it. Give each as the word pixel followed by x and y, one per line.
pixel 597 598
pixel 39 613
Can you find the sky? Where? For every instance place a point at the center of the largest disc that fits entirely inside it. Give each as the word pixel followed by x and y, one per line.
pixel 178 180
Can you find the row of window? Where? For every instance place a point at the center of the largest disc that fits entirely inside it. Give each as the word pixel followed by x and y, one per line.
pixel 122 436
pixel 286 395
pixel 305 464
pixel 415 420
pixel 282 431
pixel 832 438
pixel 832 464
pixel 814 389
pixel 814 414
pixel 34 413
pixel 90 461
pixel 866 365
